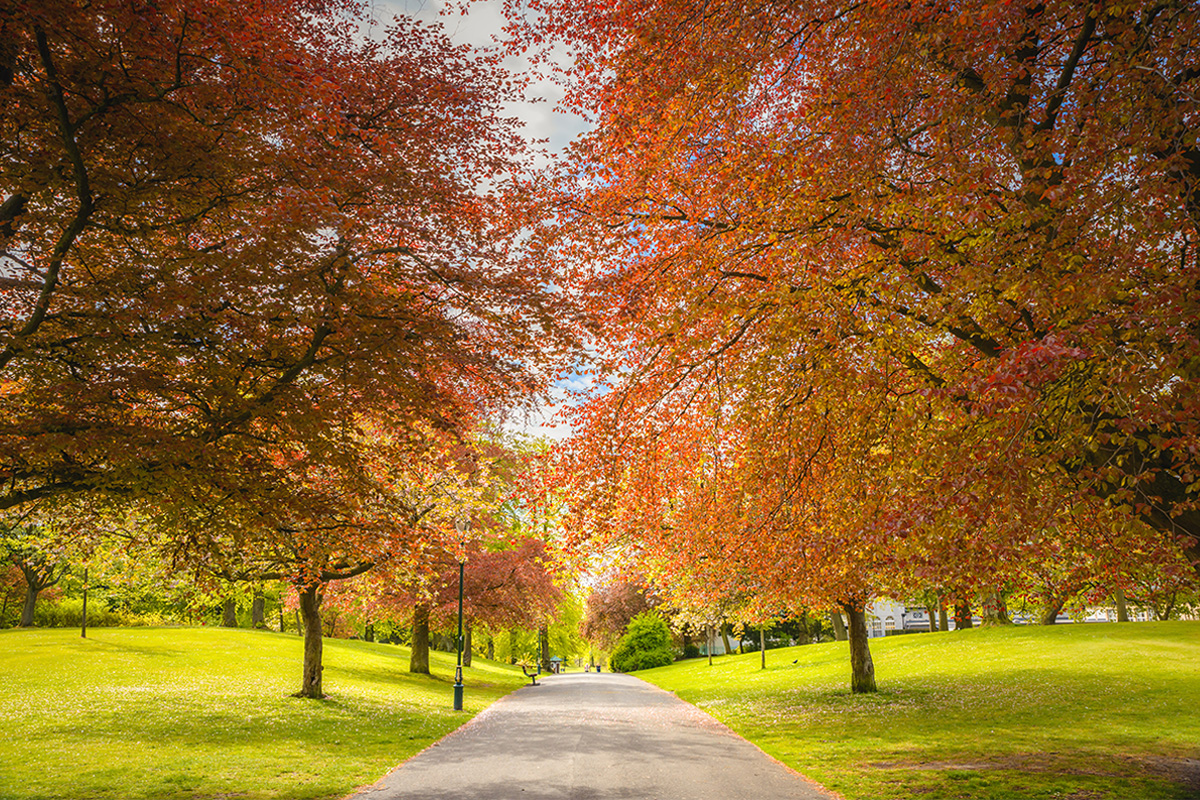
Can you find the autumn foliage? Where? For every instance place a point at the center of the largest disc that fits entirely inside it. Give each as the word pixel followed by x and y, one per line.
pixel 882 289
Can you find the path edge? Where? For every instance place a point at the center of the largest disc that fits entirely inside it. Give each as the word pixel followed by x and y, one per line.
pixel 367 787
pixel 814 783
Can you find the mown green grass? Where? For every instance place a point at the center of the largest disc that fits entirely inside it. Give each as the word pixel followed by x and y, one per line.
pixel 1074 711
pixel 143 713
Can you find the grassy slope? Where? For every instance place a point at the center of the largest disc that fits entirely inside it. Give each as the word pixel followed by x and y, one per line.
pixel 205 712
pixel 1072 711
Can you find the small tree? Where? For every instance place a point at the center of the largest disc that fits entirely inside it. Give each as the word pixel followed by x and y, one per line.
pixel 646 644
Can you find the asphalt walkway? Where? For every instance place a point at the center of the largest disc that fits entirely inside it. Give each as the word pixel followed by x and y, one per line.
pixel 588 736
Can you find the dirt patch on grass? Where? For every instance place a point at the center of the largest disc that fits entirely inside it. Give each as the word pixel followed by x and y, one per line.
pixel 1184 771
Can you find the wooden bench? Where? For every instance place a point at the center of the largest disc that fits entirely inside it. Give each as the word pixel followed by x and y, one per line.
pixel 531 675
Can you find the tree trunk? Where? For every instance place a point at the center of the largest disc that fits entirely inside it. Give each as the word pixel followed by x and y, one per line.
pixel 467 643
pixel 943 615
pixel 962 616
pixel 369 632
pixel 1049 615
pixel 229 613
pixel 839 625
pixel 762 645
pixel 931 610
pixel 725 638
pixel 491 651
pixel 995 612
pixel 31 596
pixel 310 611
pixel 1122 609
pixel 544 647
pixel 862 668
pixel 708 642
pixel 418 662
pixel 258 610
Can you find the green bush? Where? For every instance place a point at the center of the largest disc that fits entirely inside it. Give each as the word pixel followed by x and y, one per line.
pixel 646 644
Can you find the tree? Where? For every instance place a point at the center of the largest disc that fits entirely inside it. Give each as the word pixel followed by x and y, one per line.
pixel 927 259
pixel 613 605
pixel 31 552
pixel 646 644
pixel 234 237
pixel 289 225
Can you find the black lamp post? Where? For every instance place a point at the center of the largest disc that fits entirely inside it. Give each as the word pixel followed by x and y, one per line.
pixel 461 525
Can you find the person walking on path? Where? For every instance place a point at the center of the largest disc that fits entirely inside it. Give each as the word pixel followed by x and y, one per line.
pixel 585 736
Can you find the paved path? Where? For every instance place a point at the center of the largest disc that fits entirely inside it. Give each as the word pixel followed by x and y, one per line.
pixel 585 736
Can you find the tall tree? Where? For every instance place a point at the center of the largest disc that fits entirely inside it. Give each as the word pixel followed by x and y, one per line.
pixel 952 251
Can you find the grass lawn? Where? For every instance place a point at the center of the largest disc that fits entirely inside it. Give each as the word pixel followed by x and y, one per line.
pixel 135 713
pixel 1078 712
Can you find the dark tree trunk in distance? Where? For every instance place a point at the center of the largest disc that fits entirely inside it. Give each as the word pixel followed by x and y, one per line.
pixel 258 610
pixel 544 647
pixel 962 616
pixel 862 668
pixel 37 578
pixel 839 625
pixel 310 612
pixel 491 651
pixel 418 662
pixel 762 645
pixel 229 613
pixel 369 632
pixel 31 596
pixel 467 643
pixel 1122 609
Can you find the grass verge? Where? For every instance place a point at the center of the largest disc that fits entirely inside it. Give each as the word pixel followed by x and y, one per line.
pixel 1078 712
pixel 165 713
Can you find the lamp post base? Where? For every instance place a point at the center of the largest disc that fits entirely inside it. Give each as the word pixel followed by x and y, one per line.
pixel 458 696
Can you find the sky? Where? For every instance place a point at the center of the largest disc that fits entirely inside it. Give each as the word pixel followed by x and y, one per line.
pixel 541 121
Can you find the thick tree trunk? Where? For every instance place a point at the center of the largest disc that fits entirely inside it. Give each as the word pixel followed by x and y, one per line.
pixel 943 615
pixel 544 647
pixel 962 616
pixel 418 662
pixel 467 643
pixel 258 610
pixel 862 668
pixel 725 638
pixel 310 612
pixel 1122 609
pixel 839 625
pixel 995 611
pixel 229 613
pixel 1049 615
pixel 932 610
pixel 31 596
